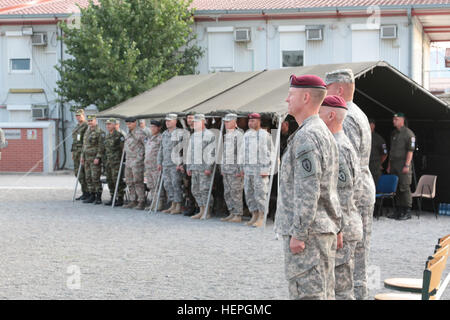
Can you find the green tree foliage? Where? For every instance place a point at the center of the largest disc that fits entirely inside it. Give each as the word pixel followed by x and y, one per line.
pixel 124 47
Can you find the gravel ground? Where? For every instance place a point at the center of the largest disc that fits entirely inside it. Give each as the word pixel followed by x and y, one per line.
pixel 130 254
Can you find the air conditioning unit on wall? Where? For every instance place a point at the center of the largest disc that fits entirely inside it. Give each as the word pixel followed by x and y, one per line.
pixel 388 32
pixel 314 34
pixel 39 111
pixel 39 39
pixel 242 35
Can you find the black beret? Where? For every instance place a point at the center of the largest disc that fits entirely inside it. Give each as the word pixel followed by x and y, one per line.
pixel 155 123
pixel 130 119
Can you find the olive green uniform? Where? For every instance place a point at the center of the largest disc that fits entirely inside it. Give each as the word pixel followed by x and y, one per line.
pixel 93 148
pixel 77 147
pixel 379 149
pixel 402 141
pixel 114 143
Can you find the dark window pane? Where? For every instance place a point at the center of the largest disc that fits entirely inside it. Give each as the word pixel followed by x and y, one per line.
pixel 20 64
pixel 293 58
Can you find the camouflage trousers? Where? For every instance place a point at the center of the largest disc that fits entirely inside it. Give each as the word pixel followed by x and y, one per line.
pixel 256 191
pixel 362 254
pixel 82 177
pixel 310 273
pixel 200 183
pixel 345 265
pixel 172 183
pixel 151 177
pixel 233 187
pixel 134 178
pixel 92 173
pixel 112 171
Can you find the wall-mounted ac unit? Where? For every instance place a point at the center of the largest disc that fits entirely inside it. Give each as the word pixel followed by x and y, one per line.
pixel 242 35
pixel 39 39
pixel 39 111
pixel 388 32
pixel 314 34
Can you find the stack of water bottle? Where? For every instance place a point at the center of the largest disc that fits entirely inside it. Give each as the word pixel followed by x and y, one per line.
pixel 444 209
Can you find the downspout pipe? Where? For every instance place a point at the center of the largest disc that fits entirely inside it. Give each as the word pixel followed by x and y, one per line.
pixel 410 42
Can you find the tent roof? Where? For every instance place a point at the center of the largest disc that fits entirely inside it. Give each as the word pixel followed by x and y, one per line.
pixel 381 91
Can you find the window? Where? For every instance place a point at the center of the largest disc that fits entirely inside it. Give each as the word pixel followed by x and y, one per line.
pixel 20 65
pixel 220 49
pixel 292 58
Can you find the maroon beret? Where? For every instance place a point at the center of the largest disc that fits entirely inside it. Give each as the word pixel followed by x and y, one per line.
pixel 254 116
pixel 307 81
pixel 334 102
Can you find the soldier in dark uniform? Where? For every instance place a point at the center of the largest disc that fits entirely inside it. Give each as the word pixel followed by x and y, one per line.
pixel 378 153
pixel 114 143
pixel 403 144
pixel 77 146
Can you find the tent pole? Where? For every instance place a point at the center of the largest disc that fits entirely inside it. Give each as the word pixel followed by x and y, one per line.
pixel 373 100
pixel 118 179
pixel 76 183
pixel 272 169
pixel 219 145
pixel 154 208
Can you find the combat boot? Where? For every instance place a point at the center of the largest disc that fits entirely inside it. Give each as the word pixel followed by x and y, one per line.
pixel 260 221
pixel 395 214
pixel 130 205
pixel 140 206
pixel 228 218
pixel 253 219
pixel 98 198
pixel 172 206
pixel 405 215
pixel 189 212
pixel 200 214
pixel 176 209
pixel 236 218
pixel 119 202
pixel 84 196
pixel 90 198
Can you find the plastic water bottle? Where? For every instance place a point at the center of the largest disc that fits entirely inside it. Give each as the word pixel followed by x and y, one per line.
pixel 441 211
pixel 446 209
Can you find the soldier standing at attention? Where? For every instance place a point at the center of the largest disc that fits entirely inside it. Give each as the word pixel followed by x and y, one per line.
pixel 77 147
pixel 190 204
pixel 199 163
pixel 357 129
pixel 91 157
pixel 378 153
pixel 134 165
pixel 255 160
pixel 169 159
pixel 152 145
pixel 403 144
pixel 233 182
pixel 332 112
pixel 114 143
pixel 308 211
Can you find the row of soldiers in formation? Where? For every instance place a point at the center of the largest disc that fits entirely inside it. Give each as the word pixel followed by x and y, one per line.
pixel 327 192
pixel 183 158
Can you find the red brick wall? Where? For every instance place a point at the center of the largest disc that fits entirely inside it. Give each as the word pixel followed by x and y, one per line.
pixel 21 155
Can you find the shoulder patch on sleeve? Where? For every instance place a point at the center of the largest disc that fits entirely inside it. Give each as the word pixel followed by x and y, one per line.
pixel 306 161
pixel 122 138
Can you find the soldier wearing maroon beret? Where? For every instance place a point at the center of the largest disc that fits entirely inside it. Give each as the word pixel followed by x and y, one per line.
pixel 308 211
pixel 333 112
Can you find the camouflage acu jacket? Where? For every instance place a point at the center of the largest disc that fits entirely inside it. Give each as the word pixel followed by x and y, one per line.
pixel 78 137
pixel 93 144
pixel 114 143
pixel 201 151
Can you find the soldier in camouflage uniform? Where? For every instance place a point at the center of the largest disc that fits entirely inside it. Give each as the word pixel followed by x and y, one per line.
pixel 152 145
pixel 233 182
pixel 403 144
pixel 77 147
pixel 199 163
pixel 191 206
pixel 308 211
pixel 114 143
pixel 332 112
pixel 170 161
pixel 144 128
pixel 134 165
pixel 255 156
pixel 357 128
pixel 119 129
pixel 91 158
pixel 378 153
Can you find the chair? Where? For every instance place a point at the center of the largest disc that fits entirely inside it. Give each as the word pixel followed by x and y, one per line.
pixel 386 187
pixel 426 188
pixel 415 285
pixel 432 288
